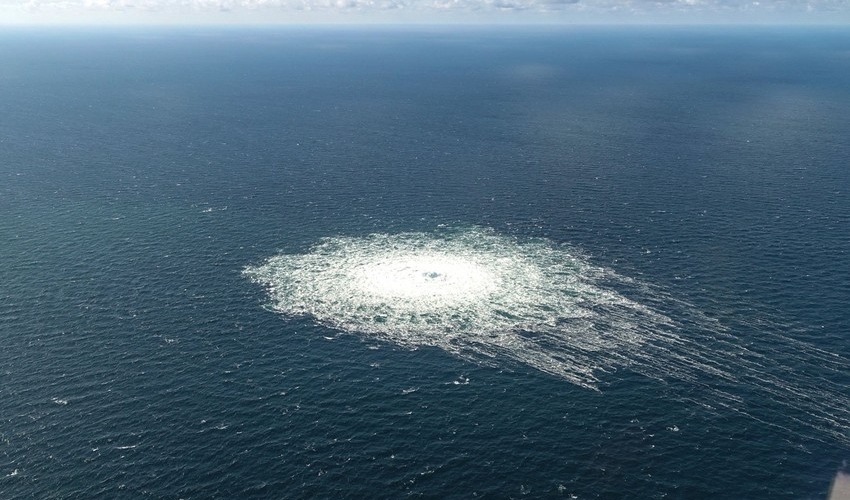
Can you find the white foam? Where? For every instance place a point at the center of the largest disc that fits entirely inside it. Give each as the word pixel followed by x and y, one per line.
pixel 471 292
pixel 429 279
pixel 493 299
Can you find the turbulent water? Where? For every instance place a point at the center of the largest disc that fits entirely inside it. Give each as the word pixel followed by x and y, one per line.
pixel 486 297
pixel 470 292
pixel 338 263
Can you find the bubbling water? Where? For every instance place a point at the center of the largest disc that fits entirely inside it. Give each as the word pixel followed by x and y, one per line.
pixel 471 292
pixel 492 299
pixel 432 279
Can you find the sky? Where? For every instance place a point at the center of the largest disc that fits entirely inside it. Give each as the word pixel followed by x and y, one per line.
pixel 118 12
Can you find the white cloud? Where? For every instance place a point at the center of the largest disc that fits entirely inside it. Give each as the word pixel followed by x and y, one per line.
pixel 281 11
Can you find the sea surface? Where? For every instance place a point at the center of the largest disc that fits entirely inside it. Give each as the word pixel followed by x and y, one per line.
pixel 587 263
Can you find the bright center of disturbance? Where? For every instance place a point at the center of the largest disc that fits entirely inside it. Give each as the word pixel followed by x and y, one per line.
pixel 420 276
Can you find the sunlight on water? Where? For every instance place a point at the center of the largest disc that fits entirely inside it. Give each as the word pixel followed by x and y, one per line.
pixel 491 299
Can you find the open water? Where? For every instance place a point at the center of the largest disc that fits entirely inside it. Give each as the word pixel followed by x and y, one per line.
pixel 590 263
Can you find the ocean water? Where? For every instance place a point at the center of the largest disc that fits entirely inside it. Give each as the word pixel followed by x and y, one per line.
pixel 590 263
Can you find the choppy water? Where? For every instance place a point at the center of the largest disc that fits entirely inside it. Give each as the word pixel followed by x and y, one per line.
pixel 328 263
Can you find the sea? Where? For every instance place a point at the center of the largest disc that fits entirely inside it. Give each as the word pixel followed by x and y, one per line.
pixel 605 262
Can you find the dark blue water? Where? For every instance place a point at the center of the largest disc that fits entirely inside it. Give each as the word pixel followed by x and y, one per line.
pixel 142 171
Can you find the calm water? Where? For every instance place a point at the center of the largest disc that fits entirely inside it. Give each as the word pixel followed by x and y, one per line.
pixel 689 190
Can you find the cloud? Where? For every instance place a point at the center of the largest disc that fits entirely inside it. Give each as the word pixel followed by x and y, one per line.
pixel 436 10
